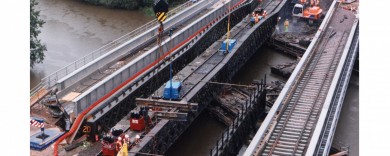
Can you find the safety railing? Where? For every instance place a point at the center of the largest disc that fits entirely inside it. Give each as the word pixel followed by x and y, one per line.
pixel 50 81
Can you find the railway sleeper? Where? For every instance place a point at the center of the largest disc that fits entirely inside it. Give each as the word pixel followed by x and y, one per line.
pixel 277 148
pixel 281 152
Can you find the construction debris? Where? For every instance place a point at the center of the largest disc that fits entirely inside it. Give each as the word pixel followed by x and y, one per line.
pixel 229 103
pixel 273 91
pixel 285 69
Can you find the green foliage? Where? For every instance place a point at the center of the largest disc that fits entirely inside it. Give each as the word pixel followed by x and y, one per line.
pixel 126 4
pixel 148 11
pixel 36 47
pixel 144 5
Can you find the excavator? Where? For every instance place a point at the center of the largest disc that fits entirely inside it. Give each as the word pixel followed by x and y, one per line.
pixel 307 10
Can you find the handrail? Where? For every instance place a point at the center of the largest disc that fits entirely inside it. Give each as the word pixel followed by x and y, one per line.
pixel 50 80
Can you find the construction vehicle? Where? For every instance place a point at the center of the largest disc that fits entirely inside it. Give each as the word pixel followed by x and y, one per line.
pixel 307 10
pixel 140 120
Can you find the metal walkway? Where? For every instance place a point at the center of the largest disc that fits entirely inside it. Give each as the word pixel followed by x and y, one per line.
pixel 290 125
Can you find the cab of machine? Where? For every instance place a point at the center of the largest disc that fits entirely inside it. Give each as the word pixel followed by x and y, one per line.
pixel 298 10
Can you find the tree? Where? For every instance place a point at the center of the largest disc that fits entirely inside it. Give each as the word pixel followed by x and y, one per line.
pixel 36 47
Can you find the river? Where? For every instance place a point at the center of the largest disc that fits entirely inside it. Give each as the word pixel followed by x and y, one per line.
pixel 74 28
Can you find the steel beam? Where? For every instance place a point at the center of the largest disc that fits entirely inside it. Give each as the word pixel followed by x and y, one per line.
pixel 166 103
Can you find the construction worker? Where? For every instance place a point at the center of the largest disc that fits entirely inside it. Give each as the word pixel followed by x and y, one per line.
pixel 127 139
pixel 277 25
pixel 118 144
pixel 286 23
pixel 265 13
pixel 257 18
pixel 124 149
pixel 252 20
pixel 137 139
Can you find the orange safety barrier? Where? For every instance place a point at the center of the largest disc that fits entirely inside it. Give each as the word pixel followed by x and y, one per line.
pixel 82 115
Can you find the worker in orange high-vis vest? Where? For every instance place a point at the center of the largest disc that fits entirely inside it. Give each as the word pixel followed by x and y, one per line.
pixel 118 144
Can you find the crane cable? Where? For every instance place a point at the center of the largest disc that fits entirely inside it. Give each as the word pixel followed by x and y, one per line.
pixel 228 29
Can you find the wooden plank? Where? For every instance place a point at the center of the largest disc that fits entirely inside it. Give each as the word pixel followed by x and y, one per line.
pixel 70 96
pixel 35 98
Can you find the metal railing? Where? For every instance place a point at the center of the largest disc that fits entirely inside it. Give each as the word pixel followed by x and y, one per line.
pixel 50 81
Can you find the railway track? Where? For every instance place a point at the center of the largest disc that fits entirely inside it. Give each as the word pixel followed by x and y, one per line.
pixel 297 119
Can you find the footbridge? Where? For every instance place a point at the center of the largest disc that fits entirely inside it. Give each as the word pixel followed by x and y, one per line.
pixel 303 119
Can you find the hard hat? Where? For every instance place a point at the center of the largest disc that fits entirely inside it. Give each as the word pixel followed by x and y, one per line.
pixel 126 136
pixel 137 136
pixel 119 138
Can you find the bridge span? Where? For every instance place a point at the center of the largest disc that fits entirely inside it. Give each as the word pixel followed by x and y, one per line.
pixel 302 120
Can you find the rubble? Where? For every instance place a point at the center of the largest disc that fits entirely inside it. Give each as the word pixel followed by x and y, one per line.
pixel 284 69
pixel 273 91
pixel 227 105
